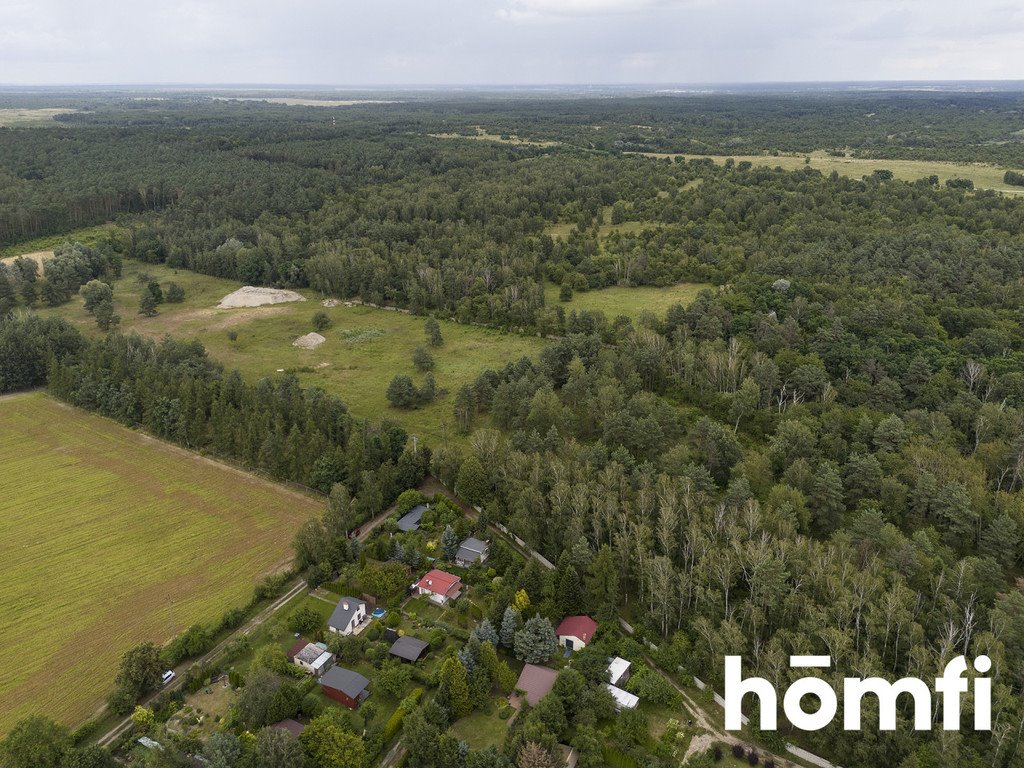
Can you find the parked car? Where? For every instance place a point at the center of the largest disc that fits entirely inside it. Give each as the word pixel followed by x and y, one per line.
pixel 167 677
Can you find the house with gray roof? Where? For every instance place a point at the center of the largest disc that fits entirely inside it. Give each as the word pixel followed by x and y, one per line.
pixel 410 521
pixel 348 616
pixel 314 658
pixel 471 551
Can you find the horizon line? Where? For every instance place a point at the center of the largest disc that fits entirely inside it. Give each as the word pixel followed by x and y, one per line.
pixel 485 85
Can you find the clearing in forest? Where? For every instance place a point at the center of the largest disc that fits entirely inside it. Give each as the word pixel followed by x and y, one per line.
pixel 364 348
pixel 36 256
pixel 483 135
pixel 23 116
pixel 44 246
pixel 983 175
pixel 112 538
pixel 628 301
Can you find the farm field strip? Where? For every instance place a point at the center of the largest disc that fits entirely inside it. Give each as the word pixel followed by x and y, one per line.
pixel 112 538
pixel 984 176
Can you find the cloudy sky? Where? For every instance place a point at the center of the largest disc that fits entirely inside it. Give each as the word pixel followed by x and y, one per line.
pixel 503 42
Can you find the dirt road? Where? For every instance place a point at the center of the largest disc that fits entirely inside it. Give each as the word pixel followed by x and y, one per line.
pixel 112 735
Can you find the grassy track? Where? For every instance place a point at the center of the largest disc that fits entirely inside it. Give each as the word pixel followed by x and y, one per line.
pixel 365 347
pixel 111 538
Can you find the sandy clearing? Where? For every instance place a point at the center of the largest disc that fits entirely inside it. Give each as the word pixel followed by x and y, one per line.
pixel 252 296
pixel 36 256
pixel 309 341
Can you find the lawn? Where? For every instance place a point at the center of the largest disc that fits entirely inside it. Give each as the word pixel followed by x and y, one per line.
pixel 482 729
pixel 983 175
pixel 112 538
pixel 365 346
pixel 620 300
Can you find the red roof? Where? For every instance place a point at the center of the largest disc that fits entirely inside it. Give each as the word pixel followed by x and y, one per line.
pixel 296 649
pixel 536 682
pixel 439 582
pixel 582 627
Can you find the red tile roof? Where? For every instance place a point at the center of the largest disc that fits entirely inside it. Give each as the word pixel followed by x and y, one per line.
pixel 439 582
pixel 582 627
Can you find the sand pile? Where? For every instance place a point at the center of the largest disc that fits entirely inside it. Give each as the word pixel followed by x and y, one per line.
pixel 309 341
pixel 330 303
pixel 251 296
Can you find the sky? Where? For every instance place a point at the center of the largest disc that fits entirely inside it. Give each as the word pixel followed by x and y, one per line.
pixel 506 42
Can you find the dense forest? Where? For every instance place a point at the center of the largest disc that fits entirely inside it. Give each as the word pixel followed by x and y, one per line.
pixel 823 453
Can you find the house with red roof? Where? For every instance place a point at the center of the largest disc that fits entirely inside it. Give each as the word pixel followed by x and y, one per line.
pixel 576 631
pixel 439 586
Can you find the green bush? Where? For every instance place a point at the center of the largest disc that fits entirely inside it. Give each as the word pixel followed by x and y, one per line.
pixel 395 721
pixel 407 500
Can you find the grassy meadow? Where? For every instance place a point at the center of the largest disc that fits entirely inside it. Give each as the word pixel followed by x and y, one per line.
pixel 482 135
pixel 365 346
pixel 629 301
pixel 42 247
pixel 26 116
pixel 112 538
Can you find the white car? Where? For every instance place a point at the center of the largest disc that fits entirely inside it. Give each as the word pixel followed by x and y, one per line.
pixel 167 677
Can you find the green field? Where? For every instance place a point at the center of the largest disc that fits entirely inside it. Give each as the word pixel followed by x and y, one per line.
pixel 11 117
pixel 365 346
pixel 984 176
pixel 86 235
pixel 112 538
pixel 631 302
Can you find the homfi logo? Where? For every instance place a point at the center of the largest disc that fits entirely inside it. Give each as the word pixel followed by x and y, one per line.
pixel 950 686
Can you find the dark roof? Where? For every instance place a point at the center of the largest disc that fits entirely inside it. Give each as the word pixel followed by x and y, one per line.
pixel 352 684
pixel 409 648
pixel 342 615
pixel 293 727
pixel 390 635
pixel 298 646
pixel 410 521
pixel 536 682
pixel 471 550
